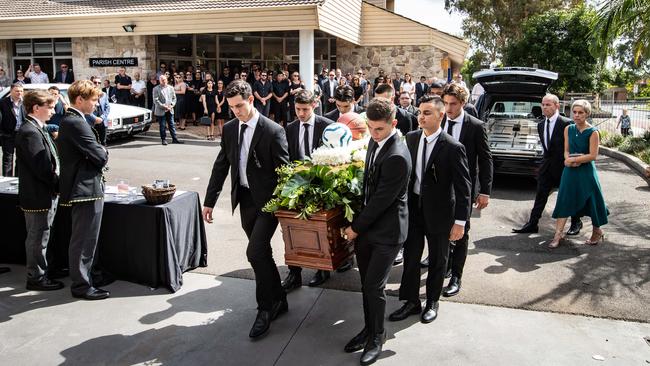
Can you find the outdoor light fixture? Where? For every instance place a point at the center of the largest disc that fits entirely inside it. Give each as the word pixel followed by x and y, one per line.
pixel 129 28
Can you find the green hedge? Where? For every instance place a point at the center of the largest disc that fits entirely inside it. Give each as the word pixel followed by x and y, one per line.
pixel 638 146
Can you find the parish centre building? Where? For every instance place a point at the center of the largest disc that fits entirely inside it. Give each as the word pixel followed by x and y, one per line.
pixel 94 36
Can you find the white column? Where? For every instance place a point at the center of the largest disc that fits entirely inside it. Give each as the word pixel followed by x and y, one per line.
pixel 307 57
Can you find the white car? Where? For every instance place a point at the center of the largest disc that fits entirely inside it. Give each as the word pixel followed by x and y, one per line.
pixel 123 120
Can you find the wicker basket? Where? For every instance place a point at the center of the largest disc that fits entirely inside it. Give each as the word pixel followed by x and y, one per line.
pixel 158 196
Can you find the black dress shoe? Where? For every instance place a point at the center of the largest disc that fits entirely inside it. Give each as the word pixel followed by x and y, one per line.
pixel 575 228
pixel 45 284
pixel 527 229
pixel 357 342
pixel 177 142
pixel 453 288
pixel 430 313
pixel 407 309
pixel 279 308
pixel 93 293
pixel 292 281
pixel 400 257
pixel 373 348
pixel 424 263
pixel 346 266
pixel 164 142
pixel 319 278
pixel 4 270
pixel 261 324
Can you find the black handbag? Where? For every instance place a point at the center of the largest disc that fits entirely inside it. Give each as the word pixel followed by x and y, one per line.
pixel 205 121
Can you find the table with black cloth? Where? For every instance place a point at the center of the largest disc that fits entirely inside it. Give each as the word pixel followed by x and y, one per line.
pixel 138 242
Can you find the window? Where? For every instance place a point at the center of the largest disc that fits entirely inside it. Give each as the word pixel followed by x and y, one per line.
pixel 49 53
pixel 239 46
pixel 175 45
pixel 273 49
pixel 206 46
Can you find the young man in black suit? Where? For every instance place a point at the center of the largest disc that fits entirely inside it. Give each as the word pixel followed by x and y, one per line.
pixel 470 132
pixel 252 147
pixel 304 135
pixel 38 170
pixel 551 134
pixel 83 159
pixel 12 114
pixel 439 204
pixel 406 122
pixel 344 103
pixel 381 227
pixel 329 89
pixel 421 89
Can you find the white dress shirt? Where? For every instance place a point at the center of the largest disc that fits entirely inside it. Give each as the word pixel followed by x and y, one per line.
pixel 301 133
pixel 381 144
pixel 39 78
pixel 138 86
pixel 431 142
pixel 550 127
pixel 458 126
pixel 246 145
pixel 333 85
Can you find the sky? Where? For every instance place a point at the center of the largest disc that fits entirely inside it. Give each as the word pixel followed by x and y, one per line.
pixel 431 13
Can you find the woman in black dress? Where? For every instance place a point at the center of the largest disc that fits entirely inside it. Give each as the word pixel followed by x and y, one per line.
pixel 295 86
pixel 209 100
pixel 222 106
pixel 199 86
pixel 190 98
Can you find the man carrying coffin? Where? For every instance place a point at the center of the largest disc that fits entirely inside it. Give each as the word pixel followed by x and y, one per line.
pixel 252 147
pixel 304 135
pixel 439 203
pixel 381 227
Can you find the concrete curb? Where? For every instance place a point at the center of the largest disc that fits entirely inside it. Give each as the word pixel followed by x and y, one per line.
pixel 633 162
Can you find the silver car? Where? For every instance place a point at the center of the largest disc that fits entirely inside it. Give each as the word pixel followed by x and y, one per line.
pixel 511 108
pixel 123 120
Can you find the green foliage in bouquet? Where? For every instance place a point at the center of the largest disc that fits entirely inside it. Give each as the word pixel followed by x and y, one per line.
pixel 307 188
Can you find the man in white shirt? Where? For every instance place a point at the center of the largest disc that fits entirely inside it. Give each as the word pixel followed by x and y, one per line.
pixel 138 89
pixel 36 75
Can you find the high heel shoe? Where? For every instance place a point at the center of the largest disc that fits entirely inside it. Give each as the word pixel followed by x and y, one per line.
pixel 559 237
pixel 600 237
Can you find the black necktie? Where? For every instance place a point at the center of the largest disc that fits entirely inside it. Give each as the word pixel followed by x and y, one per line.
pixel 450 127
pixel 424 163
pixel 548 132
pixel 305 141
pixel 242 129
pixel 370 169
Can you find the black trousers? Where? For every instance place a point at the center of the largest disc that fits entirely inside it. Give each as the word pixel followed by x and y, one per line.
pixel 458 254
pixel 375 262
pixel 545 185
pixel 280 111
pixel 8 148
pixel 101 132
pixel 438 243
pixel 86 222
pixel 259 228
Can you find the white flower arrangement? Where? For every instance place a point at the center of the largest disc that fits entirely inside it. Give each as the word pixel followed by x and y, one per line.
pixel 355 151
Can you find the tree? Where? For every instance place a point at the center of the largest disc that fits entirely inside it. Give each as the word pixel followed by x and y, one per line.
pixel 492 24
pixel 477 61
pixel 558 41
pixel 622 20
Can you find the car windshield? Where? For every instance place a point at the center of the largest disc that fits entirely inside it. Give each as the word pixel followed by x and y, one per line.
pixel 516 109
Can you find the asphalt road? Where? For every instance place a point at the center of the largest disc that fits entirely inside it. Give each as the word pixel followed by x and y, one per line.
pixel 503 269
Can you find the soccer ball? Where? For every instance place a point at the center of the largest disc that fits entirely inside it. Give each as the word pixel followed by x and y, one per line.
pixel 337 135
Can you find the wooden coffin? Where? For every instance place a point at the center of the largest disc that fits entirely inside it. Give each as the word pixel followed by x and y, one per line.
pixel 315 243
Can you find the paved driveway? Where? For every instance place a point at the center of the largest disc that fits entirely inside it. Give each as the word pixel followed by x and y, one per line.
pixel 503 269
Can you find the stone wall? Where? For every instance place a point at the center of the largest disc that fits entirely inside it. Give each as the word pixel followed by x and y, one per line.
pixel 5 56
pixel 415 60
pixel 142 47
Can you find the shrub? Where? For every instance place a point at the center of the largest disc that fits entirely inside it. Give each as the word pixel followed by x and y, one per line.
pixel 633 145
pixel 646 135
pixel 645 155
pixel 612 140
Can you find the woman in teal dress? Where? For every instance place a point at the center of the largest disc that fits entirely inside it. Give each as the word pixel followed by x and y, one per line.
pixel 580 193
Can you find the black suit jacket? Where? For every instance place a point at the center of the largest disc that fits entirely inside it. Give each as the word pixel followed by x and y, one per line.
pixel 419 91
pixel 82 160
pixel 111 91
pixel 69 77
pixel 406 122
pixel 384 217
pixel 7 116
pixel 479 158
pixel 326 89
pixel 445 189
pixel 334 114
pixel 293 136
pixel 268 151
pixel 553 161
pixel 38 182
